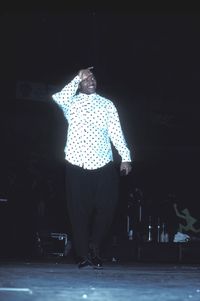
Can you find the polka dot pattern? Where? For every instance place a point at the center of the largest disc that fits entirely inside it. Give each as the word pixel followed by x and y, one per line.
pixel 93 123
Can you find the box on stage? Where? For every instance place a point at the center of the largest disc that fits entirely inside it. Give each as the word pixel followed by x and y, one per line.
pixel 56 244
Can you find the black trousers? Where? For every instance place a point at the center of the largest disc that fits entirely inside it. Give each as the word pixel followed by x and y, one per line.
pixel 92 197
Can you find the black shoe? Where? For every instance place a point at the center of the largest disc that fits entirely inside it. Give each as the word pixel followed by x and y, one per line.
pixel 85 263
pixel 97 262
pixel 95 257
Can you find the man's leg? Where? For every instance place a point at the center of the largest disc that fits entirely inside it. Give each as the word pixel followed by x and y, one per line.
pixel 79 208
pixel 106 201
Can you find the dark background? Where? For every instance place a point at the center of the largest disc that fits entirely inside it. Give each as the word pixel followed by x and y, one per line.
pixel 148 63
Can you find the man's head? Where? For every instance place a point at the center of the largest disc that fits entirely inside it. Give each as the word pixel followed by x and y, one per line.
pixel 88 83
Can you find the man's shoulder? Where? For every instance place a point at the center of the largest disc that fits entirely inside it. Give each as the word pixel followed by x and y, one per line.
pixel 105 100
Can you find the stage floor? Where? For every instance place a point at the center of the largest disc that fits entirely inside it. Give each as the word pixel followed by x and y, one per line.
pixel 59 279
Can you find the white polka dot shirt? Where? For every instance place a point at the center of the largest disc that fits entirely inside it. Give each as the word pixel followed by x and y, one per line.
pixel 93 123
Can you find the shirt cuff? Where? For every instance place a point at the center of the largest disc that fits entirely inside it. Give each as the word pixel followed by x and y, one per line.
pixel 77 79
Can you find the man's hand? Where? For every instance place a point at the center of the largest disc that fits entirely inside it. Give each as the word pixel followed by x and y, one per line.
pixel 84 73
pixel 125 168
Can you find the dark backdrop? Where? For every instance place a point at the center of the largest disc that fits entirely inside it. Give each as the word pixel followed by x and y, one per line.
pixel 147 63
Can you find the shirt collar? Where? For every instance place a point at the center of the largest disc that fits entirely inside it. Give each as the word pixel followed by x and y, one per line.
pixel 87 96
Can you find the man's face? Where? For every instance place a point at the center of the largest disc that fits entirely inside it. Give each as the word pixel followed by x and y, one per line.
pixel 88 85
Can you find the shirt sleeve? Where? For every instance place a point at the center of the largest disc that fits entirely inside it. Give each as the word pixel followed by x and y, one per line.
pixel 65 96
pixel 117 136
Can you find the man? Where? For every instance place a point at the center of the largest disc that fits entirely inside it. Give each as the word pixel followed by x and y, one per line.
pixel 91 177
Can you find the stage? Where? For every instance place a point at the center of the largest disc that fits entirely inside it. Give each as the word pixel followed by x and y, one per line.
pixel 58 278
